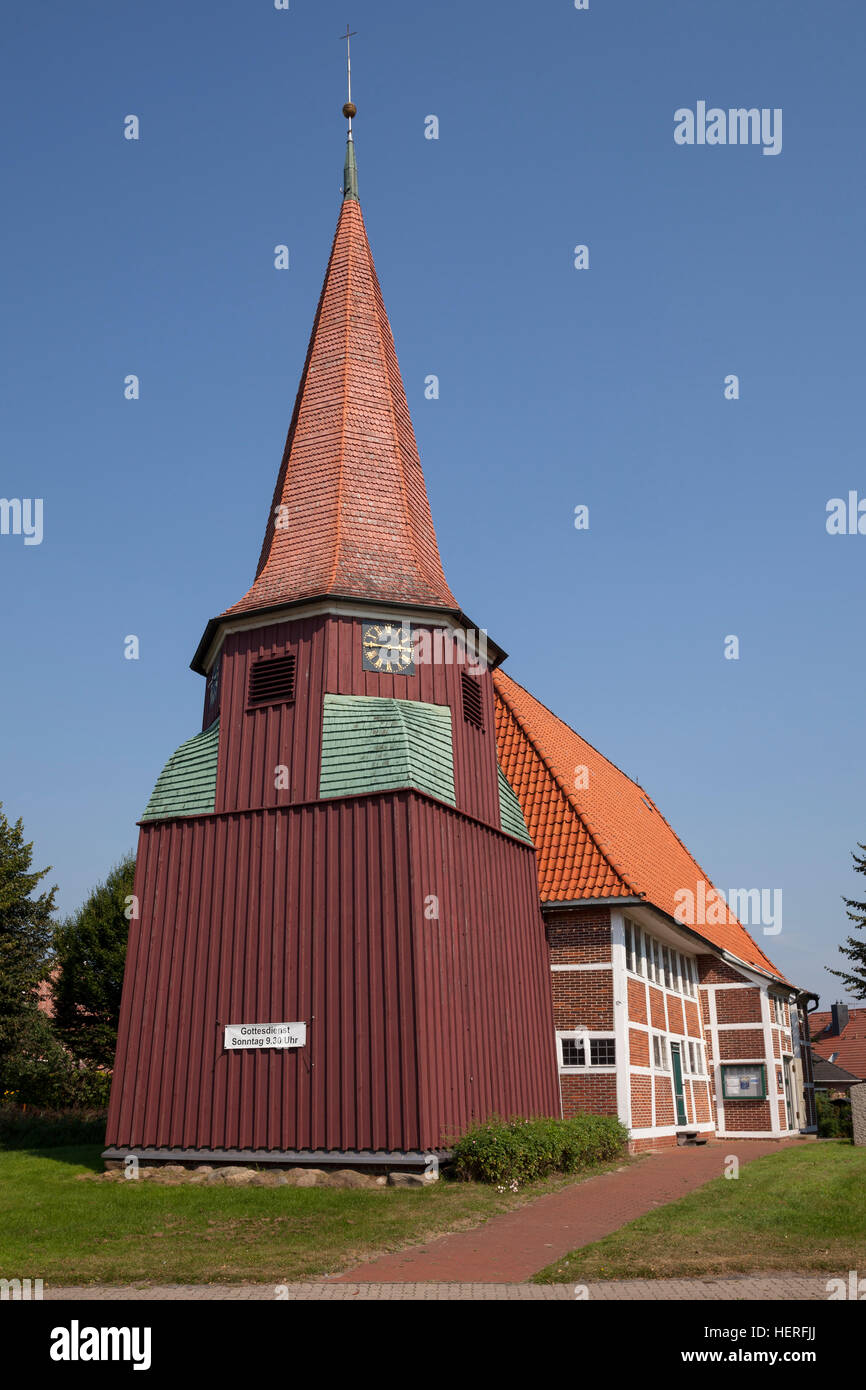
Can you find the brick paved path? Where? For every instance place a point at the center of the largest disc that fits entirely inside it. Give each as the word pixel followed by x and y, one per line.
pixel 761 1288
pixel 509 1249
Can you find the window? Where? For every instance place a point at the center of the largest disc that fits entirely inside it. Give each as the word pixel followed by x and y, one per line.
pixel 660 1053
pixel 696 1058
pixel 602 1051
pixel 632 947
pixel 690 975
pixel 572 1053
pixel 472 706
pixel 669 967
pixel 687 979
pixel 272 681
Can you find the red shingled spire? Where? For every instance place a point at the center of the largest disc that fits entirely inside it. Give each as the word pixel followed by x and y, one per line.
pixel 350 514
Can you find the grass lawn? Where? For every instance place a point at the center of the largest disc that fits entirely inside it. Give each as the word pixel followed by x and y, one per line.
pixel 55 1228
pixel 801 1209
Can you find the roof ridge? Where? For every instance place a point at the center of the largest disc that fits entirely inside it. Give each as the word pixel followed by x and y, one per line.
pixel 624 879
pixel 338 543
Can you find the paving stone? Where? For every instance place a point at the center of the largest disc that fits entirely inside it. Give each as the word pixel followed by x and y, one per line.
pixel 512 1247
pixel 752 1288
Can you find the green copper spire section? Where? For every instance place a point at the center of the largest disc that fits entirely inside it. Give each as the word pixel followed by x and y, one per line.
pixel 350 172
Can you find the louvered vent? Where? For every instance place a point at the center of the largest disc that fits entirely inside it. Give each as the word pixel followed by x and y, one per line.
pixel 472 701
pixel 272 681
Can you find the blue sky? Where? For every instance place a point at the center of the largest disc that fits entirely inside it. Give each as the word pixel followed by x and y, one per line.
pixel 558 387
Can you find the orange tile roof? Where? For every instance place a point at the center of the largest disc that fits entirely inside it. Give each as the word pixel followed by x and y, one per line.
pixel 605 840
pixel 350 514
pixel 849 1046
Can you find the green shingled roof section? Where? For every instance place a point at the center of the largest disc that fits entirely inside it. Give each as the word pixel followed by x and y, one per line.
pixel 510 814
pixel 187 784
pixel 372 743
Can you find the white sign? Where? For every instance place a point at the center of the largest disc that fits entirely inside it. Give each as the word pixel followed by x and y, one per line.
pixel 240 1036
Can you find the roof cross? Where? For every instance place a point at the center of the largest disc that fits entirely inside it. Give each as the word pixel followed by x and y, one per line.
pixel 349 108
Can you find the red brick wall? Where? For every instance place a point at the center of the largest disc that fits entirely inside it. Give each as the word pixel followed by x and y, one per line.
pixel 693 1022
pixel 717 972
pixel 661 1141
pixel 583 1091
pixel 657 1008
pixel 664 1100
pixel 747 1043
pixel 738 1005
pixel 578 937
pixel 742 1115
pixel 638 1047
pixel 641 1102
pixel 675 1014
pixel 582 999
pixel 636 1001
pixel 703 1113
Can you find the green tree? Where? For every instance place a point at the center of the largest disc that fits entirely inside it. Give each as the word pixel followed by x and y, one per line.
pixel 854 949
pixel 90 952
pixel 25 944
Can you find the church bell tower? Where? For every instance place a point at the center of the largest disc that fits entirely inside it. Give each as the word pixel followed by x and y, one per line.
pixel 339 951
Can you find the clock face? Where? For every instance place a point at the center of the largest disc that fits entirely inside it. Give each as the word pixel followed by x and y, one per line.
pixel 387 648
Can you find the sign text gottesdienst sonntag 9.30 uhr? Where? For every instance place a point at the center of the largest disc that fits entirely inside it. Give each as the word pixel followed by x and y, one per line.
pixel 250 1035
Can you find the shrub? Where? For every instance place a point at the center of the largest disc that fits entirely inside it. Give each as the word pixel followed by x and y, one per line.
pixel 520 1150
pixel 834 1117
pixel 48 1129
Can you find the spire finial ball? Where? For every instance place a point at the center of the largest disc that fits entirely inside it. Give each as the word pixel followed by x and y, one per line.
pixel 350 110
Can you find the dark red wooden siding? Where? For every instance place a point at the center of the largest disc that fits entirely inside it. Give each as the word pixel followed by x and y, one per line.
pixel 327 650
pixel 316 913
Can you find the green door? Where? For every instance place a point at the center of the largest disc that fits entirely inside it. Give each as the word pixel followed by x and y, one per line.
pixel 789 1106
pixel 679 1095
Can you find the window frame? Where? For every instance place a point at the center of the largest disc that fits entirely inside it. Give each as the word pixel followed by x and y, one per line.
pixel 586 1039
pixel 660 1051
